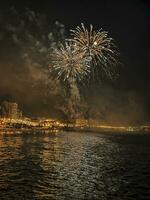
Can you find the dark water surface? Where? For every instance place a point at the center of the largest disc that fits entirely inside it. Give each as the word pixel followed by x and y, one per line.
pixel 70 166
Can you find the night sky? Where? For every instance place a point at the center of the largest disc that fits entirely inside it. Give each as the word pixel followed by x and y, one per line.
pixel 126 21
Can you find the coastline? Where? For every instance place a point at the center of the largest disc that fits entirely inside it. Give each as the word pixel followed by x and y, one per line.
pixel 110 129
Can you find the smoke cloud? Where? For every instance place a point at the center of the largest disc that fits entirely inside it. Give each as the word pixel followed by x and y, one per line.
pixel 25 43
pixel 113 106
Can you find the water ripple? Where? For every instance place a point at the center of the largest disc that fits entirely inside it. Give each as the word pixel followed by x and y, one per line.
pixel 64 166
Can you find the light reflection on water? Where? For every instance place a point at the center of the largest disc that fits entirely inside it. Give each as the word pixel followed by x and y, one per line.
pixel 75 166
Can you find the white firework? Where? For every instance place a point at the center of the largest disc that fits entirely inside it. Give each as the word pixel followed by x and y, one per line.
pixel 69 63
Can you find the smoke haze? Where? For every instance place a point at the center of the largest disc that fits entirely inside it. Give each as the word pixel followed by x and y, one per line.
pixel 24 74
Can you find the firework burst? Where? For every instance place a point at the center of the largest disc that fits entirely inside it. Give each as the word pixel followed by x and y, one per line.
pixel 89 52
pixel 98 46
pixel 69 63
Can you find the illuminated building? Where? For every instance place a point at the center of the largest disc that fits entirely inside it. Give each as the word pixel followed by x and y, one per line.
pixel 19 114
pixel 10 110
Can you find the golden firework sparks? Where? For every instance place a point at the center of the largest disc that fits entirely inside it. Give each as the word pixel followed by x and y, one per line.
pixel 69 63
pixel 97 45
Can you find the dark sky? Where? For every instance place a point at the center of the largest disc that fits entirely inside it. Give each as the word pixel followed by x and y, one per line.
pixel 128 22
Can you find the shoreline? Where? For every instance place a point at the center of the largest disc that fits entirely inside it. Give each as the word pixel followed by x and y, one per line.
pixel 48 130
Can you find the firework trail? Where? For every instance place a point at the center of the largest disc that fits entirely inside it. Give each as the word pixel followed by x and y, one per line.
pixel 98 46
pixel 71 66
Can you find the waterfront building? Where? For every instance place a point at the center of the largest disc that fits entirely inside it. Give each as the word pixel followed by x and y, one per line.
pixel 9 110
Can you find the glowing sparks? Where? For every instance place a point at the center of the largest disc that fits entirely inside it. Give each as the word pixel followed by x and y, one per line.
pixel 98 46
pixel 88 51
pixel 70 63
